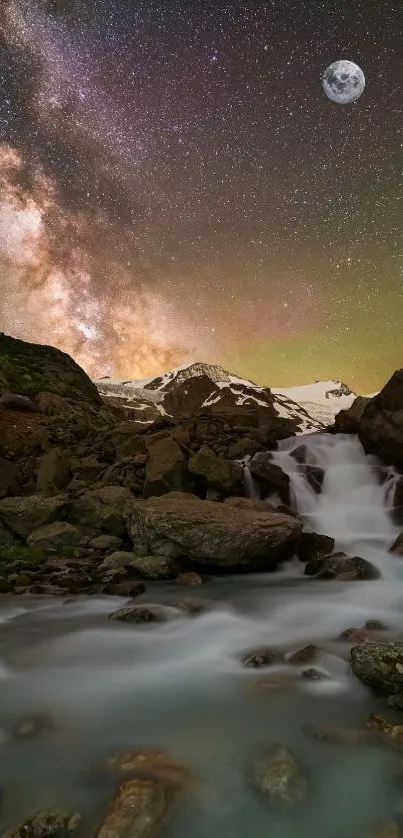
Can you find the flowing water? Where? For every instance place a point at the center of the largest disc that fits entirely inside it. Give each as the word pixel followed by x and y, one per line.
pixel 180 685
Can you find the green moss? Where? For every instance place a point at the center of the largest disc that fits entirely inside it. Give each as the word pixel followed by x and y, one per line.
pixel 18 556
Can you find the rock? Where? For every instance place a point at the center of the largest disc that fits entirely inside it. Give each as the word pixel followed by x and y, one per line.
pixel 140 808
pixel 397 546
pixel 155 762
pixel 313 546
pixel 106 543
pixel 269 684
pixel 342 567
pixel 119 560
pixel 23 515
pixel 244 447
pixel 8 478
pixel 55 536
pixel 32 726
pixel 355 635
pixel 190 579
pixel 126 588
pixel 241 535
pixel 166 467
pixel 270 476
pixel 277 775
pixel 130 614
pixel 190 607
pixel 313 674
pixel 258 658
pixel 380 666
pixel 49 823
pixel 396 701
pixel 155 567
pixel 348 421
pixel 101 510
pixel 380 423
pixel 305 655
pixel 375 625
pixel 54 472
pixel 339 736
pixel 212 472
pixel 383 829
pixel 389 734
pixel 50 404
pixel 315 477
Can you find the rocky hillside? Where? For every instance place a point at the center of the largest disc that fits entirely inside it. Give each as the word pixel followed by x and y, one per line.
pixel 79 478
pixel 322 400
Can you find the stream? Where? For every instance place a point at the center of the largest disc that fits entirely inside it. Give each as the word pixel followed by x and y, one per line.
pixel 180 685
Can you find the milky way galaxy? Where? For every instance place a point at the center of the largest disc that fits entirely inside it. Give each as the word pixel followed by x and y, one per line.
pixel 174 185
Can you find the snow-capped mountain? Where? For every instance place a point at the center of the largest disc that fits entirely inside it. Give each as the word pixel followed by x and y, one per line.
pixel 322 400
pixel 197 387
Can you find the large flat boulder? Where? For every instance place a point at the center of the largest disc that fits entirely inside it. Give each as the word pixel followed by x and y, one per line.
pixel 235 535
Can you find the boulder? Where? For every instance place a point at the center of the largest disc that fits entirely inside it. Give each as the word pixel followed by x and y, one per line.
pixel 313 546
pixel 235 535
pixel 155 567
pixel 135 614
pixel 106 543
pixel 348 421
pixel 101 510
pixel 277 775
pixel 271 477
pixel 152 762
pixel 212 472
pixel 380 666
pixel 166 467
pixel 342 567
pixel 55 536
pixel 54 472
pixel 8 478
pixel 23 515
pixel 49 823
pixel 140 808
pixel 380 426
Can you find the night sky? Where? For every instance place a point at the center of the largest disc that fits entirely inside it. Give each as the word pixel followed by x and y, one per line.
pixel 175 185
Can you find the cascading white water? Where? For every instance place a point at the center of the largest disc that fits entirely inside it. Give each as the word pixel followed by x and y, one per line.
pixel 353 504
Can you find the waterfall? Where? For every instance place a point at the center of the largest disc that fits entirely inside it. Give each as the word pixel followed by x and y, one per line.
pixel 354 504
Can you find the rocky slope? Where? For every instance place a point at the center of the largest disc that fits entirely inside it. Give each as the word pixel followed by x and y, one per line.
pixel 76 474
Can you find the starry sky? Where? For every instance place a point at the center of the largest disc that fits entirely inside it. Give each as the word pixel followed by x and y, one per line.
pixel 175 185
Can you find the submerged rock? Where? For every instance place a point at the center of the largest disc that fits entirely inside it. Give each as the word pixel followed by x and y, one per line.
pixel 130 614
pixel 389 733
pixel 139 809
pixel 49 823
pixel 342 567
pixel 190 579
pixel 379 665
pixel 33 726
pixel 260 657
pixel 383 829
pixel 313 674
pixel 339 736
pixel 355 635
pixel 305 655
pixel 277 775
pixel 156 762
pixel 191 607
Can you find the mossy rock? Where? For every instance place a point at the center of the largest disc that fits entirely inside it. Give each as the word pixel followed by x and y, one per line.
pixel 31 368
pixel 18 556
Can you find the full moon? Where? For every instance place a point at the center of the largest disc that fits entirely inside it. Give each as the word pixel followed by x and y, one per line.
pixel 343 82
